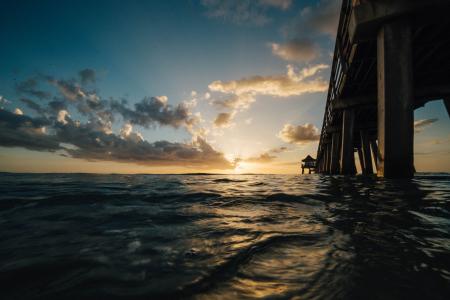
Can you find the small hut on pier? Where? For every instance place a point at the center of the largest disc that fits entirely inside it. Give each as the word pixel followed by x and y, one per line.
pixel 308 163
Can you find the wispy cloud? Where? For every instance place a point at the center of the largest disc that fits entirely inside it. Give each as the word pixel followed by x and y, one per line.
pixel 266 157
pixel 87 76
pixel 297 50
pixel 248 12
pixel 312 23
pixel 315 20
pixel 290 84
pixel 235 102
pixel 420 125
pixel 238 95
pixel 30 87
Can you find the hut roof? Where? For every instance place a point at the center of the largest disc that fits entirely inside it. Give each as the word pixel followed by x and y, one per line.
pixel 308 158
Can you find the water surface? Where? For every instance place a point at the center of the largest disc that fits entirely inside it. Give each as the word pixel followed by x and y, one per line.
pixel 79 236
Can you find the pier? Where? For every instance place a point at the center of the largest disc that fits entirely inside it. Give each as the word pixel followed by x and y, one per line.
pixel 390 57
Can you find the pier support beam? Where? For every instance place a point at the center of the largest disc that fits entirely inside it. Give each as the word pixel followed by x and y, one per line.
pixel 395 100
pixel 330 157
pixel 320 164
pixel 365 148
pixel 375 153
pixel 347 153
pixel 361 161
pixel 335 152
pixel 327 159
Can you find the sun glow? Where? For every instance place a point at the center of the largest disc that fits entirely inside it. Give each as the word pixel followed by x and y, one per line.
pixel 243 167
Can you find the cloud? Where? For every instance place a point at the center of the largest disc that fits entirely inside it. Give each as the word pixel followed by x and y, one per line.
pixel 87 141
pixel 62 115
pixel 3 101
pixel 267 156
pixel 296 50
pixel 299 134
pixel 249 12
pixel 290 84
pixel 420 125
pixel 127 133
pixel 279 149
pixel 56 105
pixel 236 102
pixel 262 158
pixel 130 147
pixel 87 76
pixel 70 89
pixel 324 17
pixel 312 23
pixel 241 93
pixel 30 87
pixel 17 130
pixel 223 120
pixel 281 4
pixel 93 138
pixel 152 111
pixel 316 20
pixel 33 105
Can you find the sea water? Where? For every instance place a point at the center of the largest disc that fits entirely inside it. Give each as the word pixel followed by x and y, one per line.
pixel 81 236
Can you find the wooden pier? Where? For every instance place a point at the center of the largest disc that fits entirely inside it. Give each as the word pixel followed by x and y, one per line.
pixel 390 57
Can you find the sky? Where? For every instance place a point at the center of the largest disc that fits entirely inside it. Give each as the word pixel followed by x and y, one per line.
pixel 220 86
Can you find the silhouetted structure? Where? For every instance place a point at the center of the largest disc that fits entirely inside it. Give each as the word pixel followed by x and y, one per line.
pixel 390 57
pixel 308 163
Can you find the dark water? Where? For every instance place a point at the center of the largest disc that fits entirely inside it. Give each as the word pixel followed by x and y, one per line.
pixel 223 237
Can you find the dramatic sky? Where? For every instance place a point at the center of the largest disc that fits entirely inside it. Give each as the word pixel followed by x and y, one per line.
pixel 231 86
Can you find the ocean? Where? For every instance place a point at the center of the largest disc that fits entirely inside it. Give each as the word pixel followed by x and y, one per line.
pixel 82 236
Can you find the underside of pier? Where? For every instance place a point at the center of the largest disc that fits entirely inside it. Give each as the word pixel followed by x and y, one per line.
pixel 391 57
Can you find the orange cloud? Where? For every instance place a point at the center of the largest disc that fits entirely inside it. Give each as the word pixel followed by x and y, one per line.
pixel 290 84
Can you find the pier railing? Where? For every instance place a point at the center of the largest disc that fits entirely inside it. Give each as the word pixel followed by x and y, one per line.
pixel 343 53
